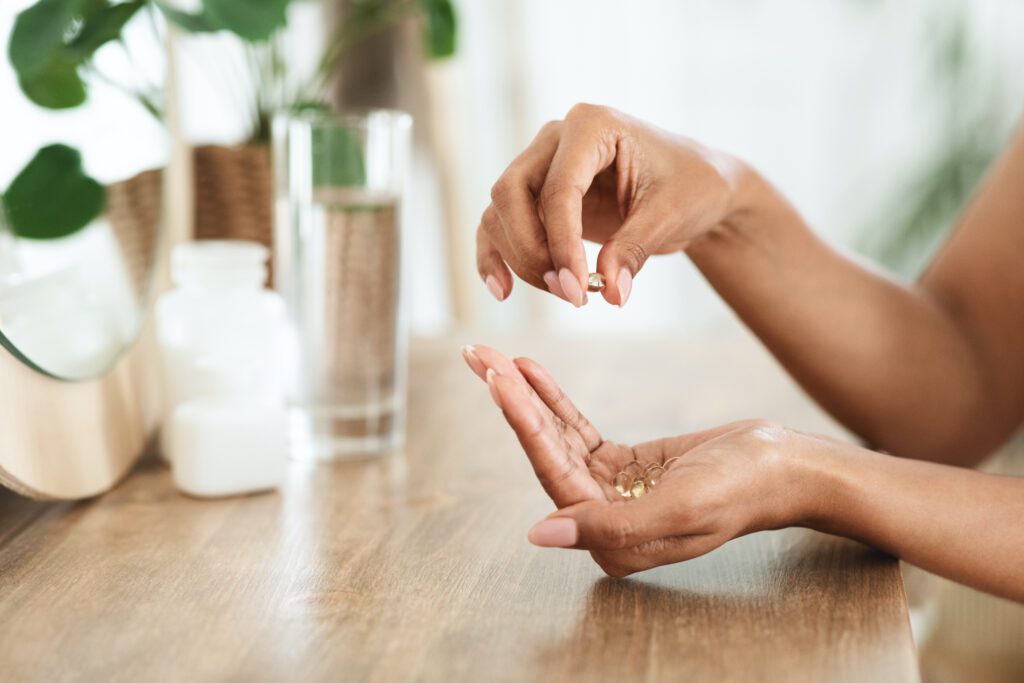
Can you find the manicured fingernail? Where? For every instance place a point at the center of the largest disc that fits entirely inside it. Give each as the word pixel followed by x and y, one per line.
pixel 494 287
pixel 474 362
pixel 556 532
pixel 554 286
pixel 625 283
pixel 571 288
pixel 489 376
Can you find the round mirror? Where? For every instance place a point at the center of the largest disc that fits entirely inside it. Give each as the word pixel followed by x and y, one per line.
pixel 81 179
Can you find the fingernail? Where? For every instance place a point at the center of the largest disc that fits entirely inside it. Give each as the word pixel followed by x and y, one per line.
pixel 556 532
pixel 554 286
pixel 571 288
pixel 494 287
pixel 625 286
pixel 490 375
pixel 474 363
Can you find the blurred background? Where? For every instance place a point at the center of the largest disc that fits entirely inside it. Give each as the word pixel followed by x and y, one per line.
pixel 875 117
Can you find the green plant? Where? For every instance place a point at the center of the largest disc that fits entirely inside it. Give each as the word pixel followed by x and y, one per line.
pixel 51 50
pixel 970 129
pixel 55 171
pixel 278 89
pixel 53 43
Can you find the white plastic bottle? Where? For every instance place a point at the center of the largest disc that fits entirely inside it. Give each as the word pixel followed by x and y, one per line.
pixel 231 440
pixel 219 309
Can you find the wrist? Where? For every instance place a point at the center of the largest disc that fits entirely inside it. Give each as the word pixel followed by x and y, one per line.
pixel 748 205
pixel 821 476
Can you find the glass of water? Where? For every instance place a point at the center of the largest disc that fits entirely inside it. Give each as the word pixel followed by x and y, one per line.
pixel 339 181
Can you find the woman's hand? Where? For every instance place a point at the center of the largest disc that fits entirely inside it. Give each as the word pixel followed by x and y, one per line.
pixel 603 176
pixel 725 482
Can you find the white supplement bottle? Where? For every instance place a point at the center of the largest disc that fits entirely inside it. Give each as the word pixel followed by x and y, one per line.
pixel 219 309
pixel 231 440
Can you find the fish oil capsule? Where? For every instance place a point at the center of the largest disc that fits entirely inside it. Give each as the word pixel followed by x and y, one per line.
pixel 595 282
pixel 622 482
pixel 638 488
pixel 653 476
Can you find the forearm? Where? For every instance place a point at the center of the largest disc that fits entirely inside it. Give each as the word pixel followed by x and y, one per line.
pixel 960 524
pixel 886 360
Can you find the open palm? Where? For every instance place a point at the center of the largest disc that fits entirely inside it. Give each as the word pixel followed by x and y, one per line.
pixel 688 513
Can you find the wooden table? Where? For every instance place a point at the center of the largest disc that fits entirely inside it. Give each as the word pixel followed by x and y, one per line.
pixel 417 567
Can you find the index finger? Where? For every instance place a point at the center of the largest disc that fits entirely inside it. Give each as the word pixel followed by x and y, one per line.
pixel 564 477
pixel 587 146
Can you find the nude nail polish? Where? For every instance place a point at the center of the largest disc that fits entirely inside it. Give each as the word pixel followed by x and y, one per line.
pixel 489 376
pixel 494 287
pixel 554 286
pixel 572 289
pixel 473 361
pixel 625 283
pixel 555 532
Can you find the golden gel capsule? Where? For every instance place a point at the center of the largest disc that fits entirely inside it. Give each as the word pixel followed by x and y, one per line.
pixel 638 488
pixel 595 282
pixel 621 482
pixel 653 476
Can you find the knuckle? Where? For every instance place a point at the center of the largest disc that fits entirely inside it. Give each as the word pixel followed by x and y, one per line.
pixel 489 218
pixel 551 127
pixel 562 245
pixel 585 110
pixel 551 480
pixel 554 192
pixel 501 193
pixel 632 252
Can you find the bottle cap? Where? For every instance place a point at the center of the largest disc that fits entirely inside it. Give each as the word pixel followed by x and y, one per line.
pixel 219 263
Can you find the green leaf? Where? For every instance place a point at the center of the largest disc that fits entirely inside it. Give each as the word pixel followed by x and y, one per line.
pixel 337 158
pixel 57 85
pixel 440 28
pixel 253 20
pixel 193 23
pixel 103 26
pixel 38 34
pixel 52 196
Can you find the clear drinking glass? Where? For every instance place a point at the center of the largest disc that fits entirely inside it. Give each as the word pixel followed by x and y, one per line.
pixel 337 262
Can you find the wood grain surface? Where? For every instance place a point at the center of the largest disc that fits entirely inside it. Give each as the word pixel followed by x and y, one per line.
pixel 416 566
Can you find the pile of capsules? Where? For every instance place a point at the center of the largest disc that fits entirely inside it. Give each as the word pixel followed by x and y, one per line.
pixel 636 480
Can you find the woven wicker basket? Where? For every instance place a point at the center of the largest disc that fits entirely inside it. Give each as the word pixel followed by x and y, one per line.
pixel 134 212
pixel 233 193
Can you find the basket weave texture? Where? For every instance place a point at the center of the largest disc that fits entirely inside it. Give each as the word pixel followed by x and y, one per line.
pixel 234 193
pixel 133 210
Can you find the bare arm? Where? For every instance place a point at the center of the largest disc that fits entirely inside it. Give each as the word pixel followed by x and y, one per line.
pixel 934 371
pixel 957 523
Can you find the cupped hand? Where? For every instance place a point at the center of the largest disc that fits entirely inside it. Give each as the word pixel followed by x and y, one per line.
pixel 718 484
pixel 602 176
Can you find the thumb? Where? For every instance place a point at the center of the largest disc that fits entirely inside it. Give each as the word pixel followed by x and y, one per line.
pixel 624 254
pixel 599 525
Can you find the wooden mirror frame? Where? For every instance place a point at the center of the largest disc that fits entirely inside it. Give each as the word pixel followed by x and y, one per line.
pixel 75 439
pixel 68 440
